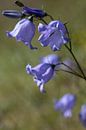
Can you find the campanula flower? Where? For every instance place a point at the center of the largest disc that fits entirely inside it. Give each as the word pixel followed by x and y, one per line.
pixel 24 31
pixel 54 34
pixel 65 104
pixel 44 71
pixel 82 115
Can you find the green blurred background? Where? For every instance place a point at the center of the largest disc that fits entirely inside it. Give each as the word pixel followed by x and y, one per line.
pixel 22 106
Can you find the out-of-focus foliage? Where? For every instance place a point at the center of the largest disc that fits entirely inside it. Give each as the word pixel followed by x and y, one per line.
pixel 22 106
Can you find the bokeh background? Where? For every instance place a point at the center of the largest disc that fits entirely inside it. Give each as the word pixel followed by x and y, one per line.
pixel 22 106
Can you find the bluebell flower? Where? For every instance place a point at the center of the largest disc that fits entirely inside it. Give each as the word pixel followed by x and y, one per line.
pixel 54 34
pixel 34 11
pixel 44 71
pixel 24 31
pixel 31 11
pixel 12 13
pixel 65 104
pixel 82 115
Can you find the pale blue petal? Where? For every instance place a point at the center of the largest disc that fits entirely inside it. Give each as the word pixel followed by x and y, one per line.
pixel 68 114
pixel 51 59
pixel 53 23
pixel 66 104
pixel 24 31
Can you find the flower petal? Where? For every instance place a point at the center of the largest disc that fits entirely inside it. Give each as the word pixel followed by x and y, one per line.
pixel 24 31
pixel 65 104
pixel 51 59
pixel 82 115
pixel 54 23
pixel 41 28
pixel 34 11
pixel 67 114
pixel 55 35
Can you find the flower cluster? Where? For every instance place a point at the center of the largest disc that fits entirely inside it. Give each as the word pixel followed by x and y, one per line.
pixel 53 34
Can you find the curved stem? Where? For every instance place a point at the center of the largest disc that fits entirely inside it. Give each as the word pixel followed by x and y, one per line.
pixel 69 67
pixel 72 73
pixel 50 16
pixel 76 61
pixel 43 21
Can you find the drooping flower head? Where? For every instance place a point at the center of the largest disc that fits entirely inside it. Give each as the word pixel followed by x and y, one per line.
pixel 44 71
pixel 24 31
pixel 54 34
pixel 82 115
pixel 65 104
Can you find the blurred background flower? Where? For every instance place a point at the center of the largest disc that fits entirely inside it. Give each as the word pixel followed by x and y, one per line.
pixel 65 104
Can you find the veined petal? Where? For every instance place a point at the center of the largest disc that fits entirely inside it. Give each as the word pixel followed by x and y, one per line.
pixel 48 74
pixel 40 69
pixel 16 30
pixel 56 40
pixel 61 27
pixel 55 35
pixel 54 23
pixel 24 31
pixel 42 41
pixel 46 34
pixel 44 71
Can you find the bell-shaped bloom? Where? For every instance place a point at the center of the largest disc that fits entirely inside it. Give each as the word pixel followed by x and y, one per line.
pixel 24 31
pixel 82 115
pixel 34 11
pixel 65 104
pixel 54 34
pixel 44 71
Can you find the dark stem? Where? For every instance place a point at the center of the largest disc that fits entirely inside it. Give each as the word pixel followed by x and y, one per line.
pixel 50 16
pixel 18 3
pixel 68 36
pixel 69 67
pixel 72 73
pixel 76 61
pixel 43 21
